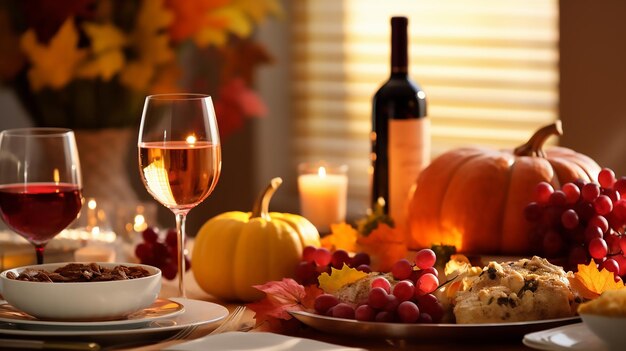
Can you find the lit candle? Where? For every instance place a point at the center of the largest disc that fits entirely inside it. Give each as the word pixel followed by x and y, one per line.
pixel 323 195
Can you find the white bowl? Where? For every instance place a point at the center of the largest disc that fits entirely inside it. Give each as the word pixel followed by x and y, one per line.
pixel 88 301
pixel 611 329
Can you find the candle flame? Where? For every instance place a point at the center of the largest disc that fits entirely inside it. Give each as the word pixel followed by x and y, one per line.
pixel 92 204
pixel 191 139
pixel 321 172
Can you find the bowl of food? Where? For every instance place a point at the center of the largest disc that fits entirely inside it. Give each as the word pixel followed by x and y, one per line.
pixel 81 291
pixel 606 317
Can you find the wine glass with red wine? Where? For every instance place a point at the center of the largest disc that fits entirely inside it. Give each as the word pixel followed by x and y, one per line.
pixel 180 157
pixel 40 183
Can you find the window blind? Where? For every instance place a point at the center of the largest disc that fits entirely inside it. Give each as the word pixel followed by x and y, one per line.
pixel 489 69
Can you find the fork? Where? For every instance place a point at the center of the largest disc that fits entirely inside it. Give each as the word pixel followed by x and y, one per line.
pixel 231 321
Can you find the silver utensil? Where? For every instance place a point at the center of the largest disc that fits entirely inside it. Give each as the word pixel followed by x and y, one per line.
pixel 49 345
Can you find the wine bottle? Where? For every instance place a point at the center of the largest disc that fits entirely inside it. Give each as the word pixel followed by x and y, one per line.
pixel 400 131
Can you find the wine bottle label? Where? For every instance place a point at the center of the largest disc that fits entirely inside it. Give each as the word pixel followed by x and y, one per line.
pixel 409 153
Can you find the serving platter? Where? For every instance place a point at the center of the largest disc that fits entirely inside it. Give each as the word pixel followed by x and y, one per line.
pixel 351 327
pixel 195 313
pixel 161 308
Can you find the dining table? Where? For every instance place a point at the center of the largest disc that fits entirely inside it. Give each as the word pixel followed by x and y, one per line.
pixel 485 342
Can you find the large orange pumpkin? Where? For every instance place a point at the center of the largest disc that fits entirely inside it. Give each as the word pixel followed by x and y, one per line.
pixel 474 198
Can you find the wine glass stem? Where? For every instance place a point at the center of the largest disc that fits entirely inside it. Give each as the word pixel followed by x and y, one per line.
pixel 39 251
pixel 180 230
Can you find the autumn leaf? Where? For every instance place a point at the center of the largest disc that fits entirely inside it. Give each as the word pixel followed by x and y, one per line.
pixel 342 237
pixel 280 298
pixel 385 245
pixel 53 65
pixel 338 278
pixel 590 283
pixel 258 10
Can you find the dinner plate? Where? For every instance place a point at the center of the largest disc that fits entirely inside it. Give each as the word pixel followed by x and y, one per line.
pixel 570 337
pixel 195 313
pixel 161 308
pixel 426 331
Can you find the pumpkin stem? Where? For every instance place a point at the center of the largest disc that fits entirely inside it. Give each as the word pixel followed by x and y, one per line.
pixel 262 204
pixel 534 145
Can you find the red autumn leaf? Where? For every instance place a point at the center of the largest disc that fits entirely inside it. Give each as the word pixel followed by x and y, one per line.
pixel 280 298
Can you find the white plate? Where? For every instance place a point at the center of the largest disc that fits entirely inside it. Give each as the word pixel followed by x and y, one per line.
pixel 161 308
pixel 569 337
pixel 195 313
pixel 426 331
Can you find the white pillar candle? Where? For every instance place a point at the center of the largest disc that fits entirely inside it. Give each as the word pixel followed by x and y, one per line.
pixel 323 195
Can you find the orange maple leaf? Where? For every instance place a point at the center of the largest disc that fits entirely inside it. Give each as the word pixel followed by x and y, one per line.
pixel 590 283
pixel 342 237
pixel 280 298
pixel 385 245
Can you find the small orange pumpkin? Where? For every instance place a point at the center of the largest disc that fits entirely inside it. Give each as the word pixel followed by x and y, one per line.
pixel 474 198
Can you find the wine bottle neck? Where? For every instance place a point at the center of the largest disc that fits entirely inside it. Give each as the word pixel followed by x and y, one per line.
pixel 399 45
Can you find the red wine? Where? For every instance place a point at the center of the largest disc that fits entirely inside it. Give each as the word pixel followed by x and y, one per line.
pixel 400 130
pixel 39 211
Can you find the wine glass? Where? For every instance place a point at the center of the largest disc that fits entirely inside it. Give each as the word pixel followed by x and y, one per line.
pixel 40 183
pixel 180 157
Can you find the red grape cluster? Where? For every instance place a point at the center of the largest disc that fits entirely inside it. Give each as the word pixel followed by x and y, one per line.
pixel 162 254
pixel 406 299
pixel 581 221
pixel 316 261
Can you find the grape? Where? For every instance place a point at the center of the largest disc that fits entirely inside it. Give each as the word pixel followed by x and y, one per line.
pixel 383 283
pixel 425 318
pixel 343 310
pixel 429 304
pixel 143 251
pixel 619 209
pixel 402 269
pixel 171 238
pixel 606 178
pixel 425 258
pixel 600 222
pixel 612 194
pixel 426 284
pixel 603 205
pixel 532 212
pixel 392 303
pixel 306 273
pixel 160 251
pixel 364 268
pixel 543 190
pixel 621 262
pixel 150 235
pixel 557 198
pixel 408 312
pixel 612 242
pixel 364 313
pixel 620 185
pixel 339 258
pixel 617 278
pixel 384 317
pixel 322 257
pixel 359 259
pixel 404 290
pixel 585 210
pixel 169 271
pixel 308 253
pixel 569 219
pixel 622 243
pixel 592 232
pixel 598 248
pixel 577 255
pixel 610 265
pixel 572 192
pixel 377 297
pixel 324 302
pixel 552 243
pixel 590 191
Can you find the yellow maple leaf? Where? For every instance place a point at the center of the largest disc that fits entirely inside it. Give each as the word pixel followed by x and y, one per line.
pixel 342 237
pixel 338 278
pixel 590 283
pixel 137 75
pixel 53 65
pixel 258 10
pixel 104 37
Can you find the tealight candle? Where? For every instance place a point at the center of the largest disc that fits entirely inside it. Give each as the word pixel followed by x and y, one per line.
pixel 323 194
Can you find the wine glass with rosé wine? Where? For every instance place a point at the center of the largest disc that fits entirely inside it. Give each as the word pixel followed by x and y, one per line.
pixel 180 157
pixel 40 183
